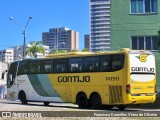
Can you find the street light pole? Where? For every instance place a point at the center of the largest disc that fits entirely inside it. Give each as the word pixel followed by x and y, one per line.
pixel 24 43
pixel 24 33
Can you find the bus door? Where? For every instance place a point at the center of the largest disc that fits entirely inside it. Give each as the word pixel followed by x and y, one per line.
pixel 11 85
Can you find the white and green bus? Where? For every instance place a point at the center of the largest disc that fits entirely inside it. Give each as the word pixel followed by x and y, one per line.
pixel 91 80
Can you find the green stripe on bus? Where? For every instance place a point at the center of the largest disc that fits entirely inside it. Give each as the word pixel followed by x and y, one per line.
pixel 47 86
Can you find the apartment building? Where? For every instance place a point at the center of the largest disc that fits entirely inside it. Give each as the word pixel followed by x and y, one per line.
pixel 61 39
pixel 87 41
pixel 99 25
pixel 6 55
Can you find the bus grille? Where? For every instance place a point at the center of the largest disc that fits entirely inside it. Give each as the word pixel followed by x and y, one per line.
pixel 115 94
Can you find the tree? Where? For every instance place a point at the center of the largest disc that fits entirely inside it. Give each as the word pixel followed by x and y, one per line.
pixel 34 48
pixel 85 50
pixel 74 50
pixel 55 51
pixel 63 51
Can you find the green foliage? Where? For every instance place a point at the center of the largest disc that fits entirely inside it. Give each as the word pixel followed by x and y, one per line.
pixel 34 49
pixel 55 51
pixel 63 51
pixel 85 50
pixel 74 50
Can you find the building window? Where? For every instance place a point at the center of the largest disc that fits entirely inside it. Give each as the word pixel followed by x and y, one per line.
pixel 144 43
pixel 144 6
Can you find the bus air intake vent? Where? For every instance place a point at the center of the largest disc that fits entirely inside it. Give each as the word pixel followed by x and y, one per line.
pixel 115 94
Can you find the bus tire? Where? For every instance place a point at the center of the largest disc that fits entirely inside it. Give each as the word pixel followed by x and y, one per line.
pixel 82 101
pixel 122 107
pixel 46 103
pixel 108 107
pixel 22 97
pixel 96 102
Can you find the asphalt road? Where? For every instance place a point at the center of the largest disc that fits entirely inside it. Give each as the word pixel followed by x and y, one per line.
pixel 59 110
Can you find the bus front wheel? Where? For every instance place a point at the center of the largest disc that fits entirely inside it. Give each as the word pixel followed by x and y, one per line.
pixel 82 100
pixel 22 97
pixel 96 102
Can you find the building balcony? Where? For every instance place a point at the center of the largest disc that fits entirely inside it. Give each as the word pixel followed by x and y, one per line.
pixel 104 23
pixel 101 19
pixel 100 11
pixel 101 31
pixel 101 44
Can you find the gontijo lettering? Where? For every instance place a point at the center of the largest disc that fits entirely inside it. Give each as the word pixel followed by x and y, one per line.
pixel 73 79
pixel 142 69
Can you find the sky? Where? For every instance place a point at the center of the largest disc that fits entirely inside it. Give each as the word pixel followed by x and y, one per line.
pixel 46 14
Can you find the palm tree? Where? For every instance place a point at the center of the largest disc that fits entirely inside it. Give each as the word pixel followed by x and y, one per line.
pixel 34 48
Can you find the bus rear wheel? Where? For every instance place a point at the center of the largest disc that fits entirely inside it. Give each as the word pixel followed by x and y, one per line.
pixel 46 103
pixel 108 107
pixel 122 107
pixel 96 102
pixel 22 97
pixel 82 101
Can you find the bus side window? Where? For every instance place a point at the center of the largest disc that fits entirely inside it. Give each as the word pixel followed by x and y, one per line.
pixel 34 67
pixel 91 64
pixel 75 64
pixel 117 62
pixel 47 66
pixel 61 66
pixel 105 63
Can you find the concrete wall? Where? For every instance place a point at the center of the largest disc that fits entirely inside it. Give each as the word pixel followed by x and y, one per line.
pixel 124 25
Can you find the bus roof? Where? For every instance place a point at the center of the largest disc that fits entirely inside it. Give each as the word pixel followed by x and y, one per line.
pixel 70 54
pixel 79 54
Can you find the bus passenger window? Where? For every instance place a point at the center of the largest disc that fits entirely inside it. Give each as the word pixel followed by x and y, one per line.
pixel 105 63
pixel 47 66
pixel 61 66
pixel 117 62
pixel 75 64
pixel 91 64
pixel 35 67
